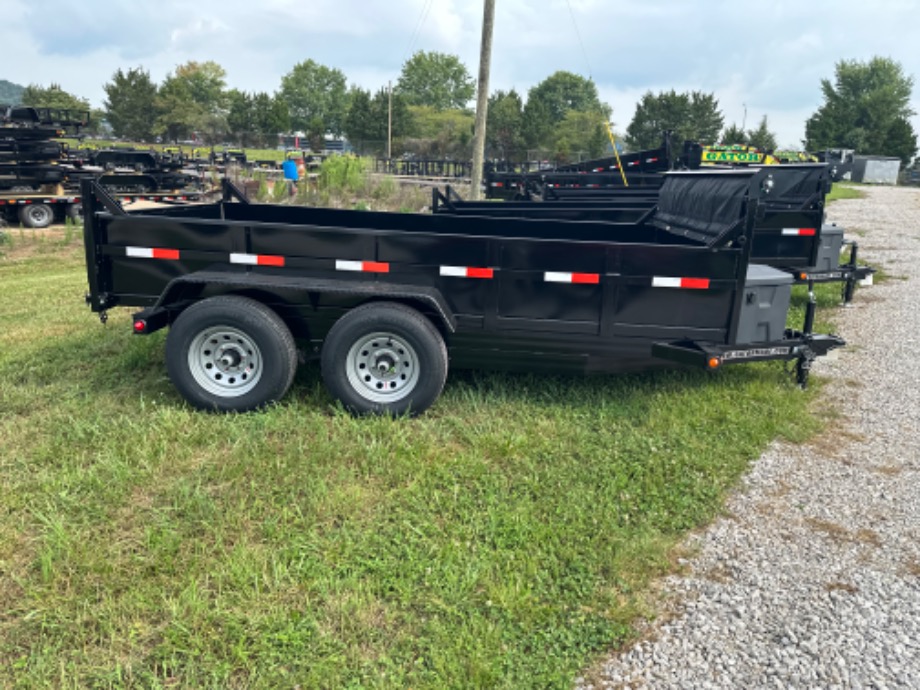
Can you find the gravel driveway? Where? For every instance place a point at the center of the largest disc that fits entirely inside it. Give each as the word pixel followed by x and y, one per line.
pixel 812 577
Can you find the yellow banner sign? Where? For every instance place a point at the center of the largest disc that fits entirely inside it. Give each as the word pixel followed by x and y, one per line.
pixel 731 157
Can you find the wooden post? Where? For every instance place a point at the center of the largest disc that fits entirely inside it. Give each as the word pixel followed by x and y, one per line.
pixel 389 120
pixel 482 100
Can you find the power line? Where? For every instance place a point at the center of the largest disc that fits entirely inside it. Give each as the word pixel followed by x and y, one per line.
pixel 418 28
pixel 578 35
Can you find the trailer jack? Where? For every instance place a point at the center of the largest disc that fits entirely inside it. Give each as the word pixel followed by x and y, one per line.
pixel 803 366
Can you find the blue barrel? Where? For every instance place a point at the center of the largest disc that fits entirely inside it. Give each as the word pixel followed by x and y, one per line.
pixel 289 168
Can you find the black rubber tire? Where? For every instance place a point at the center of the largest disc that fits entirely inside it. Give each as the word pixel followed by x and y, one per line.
pixel 75 212
pixel 404 323
pixel 255 322
pixel 36 215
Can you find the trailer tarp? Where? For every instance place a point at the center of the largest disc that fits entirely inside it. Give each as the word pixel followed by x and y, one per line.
pixel 702 210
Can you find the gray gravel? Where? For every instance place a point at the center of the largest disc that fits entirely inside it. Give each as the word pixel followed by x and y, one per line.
pixel 812 578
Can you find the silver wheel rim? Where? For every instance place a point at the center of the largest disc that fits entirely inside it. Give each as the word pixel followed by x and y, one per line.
pixel 382 367
pixel 225 361
pixel 39 214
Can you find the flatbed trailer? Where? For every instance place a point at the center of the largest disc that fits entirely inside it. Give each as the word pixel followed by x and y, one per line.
pixel 38 210
pixel 790 232
pixel 386 300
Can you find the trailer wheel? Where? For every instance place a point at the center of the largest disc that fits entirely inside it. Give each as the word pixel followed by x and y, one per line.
pixel 230 354
pixel 75 212
pixel 384 358
pixel 36 215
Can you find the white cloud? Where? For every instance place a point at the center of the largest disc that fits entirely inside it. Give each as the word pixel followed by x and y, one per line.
pixel 766 56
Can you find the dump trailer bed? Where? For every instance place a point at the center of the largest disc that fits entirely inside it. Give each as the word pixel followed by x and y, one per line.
pixel 382 298
pixel 788 232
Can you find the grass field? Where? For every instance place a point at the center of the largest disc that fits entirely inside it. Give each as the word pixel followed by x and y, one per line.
pixel 844 190
pixel 505 539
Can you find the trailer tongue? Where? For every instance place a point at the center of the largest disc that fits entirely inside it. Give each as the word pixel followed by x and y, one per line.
pixel 383 299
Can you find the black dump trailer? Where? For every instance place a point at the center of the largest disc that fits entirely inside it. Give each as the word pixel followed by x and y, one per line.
pixel 790 231
pixel 613 176
pixel 641 169
pixel 386 300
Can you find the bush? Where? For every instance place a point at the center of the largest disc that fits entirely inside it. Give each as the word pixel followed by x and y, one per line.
pixel 343 173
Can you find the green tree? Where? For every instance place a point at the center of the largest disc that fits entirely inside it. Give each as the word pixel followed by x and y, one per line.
pixel 537 125
pixel 694 116
pixel 359 120
pixel 178 116
pixel 436 80
pixel 316 97
pixel 734 135
pixel 130 106
pixel 866 108
pixel 550 101
pixel 504 135
pixel 192 100
pixel 366 123
pixel 240 116
pixel 52 97
pixel 270 117
pixel 704 118
pixel 206 83
pixel 762 138
pixel 580 136
pixel 440 133
pixel 563 91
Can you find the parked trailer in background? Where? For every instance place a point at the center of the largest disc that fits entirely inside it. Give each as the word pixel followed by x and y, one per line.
pixel 38 210
pixel 383 299
pixel 790 232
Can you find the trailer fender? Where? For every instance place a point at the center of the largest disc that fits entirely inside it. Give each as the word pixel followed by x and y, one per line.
pixel 180 290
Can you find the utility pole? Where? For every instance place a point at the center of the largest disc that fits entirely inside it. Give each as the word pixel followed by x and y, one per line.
pixel 389 120
pixel 482 99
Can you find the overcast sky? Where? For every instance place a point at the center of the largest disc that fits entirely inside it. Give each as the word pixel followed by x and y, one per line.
pixel 763 57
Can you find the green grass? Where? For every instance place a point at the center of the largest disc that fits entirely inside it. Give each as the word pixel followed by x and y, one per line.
pixel 505 539
pixel 842 190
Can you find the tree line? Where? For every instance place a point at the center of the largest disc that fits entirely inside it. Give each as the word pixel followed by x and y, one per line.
pixel 562 118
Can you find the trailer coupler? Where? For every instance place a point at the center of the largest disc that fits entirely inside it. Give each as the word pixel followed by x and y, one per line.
pixel 796 346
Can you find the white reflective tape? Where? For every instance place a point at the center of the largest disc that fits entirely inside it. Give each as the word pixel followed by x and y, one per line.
pixel 659 281
pixel 139 252
pixel 341 265
pixel 551 277
pixel 455 271
pixel 467 272
pixel 250 259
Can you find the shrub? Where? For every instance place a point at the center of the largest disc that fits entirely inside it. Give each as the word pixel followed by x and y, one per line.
pixel 343 173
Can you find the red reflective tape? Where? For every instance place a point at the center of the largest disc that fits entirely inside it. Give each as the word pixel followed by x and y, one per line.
pixel 165 254
pixel 375 267
pixel 808 232
pixel 486 273
pixel 586 278
pixel 269 260
pixel 695 283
